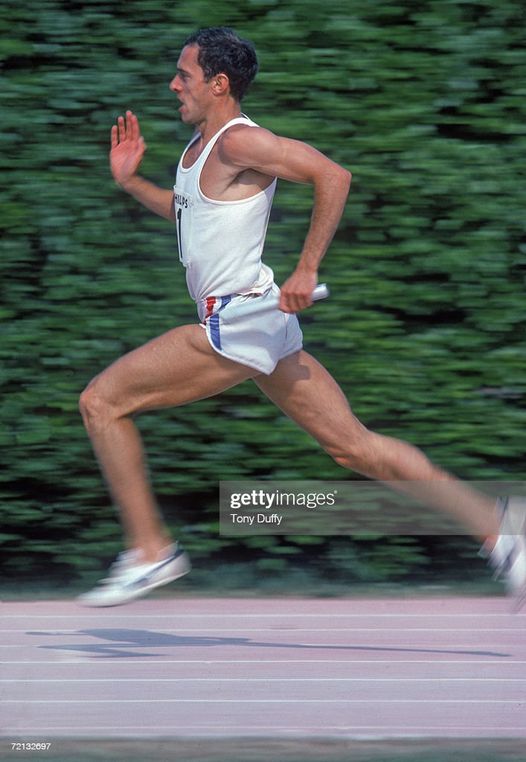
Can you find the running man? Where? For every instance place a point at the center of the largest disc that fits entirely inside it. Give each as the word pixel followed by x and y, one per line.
pixel 220 205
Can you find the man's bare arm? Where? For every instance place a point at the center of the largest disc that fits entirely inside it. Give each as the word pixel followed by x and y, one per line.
pixel 127 150
pixel 259 149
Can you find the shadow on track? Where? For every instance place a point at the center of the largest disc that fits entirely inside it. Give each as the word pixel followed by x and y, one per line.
pixel 120 642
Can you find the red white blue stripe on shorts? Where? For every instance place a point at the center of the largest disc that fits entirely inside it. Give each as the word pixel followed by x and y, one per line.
pixel 214 306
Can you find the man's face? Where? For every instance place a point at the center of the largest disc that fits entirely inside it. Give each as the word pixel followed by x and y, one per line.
pixel 190 86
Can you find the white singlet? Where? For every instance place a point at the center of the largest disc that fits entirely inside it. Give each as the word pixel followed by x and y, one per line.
pixel 220 242
pixel 220 245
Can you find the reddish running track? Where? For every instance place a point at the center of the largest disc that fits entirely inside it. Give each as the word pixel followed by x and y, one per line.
pixel 276 668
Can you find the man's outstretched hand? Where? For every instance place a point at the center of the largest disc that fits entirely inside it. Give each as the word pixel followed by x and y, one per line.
pixel 127 148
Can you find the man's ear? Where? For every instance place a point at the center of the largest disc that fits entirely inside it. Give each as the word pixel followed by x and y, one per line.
pixel 220 84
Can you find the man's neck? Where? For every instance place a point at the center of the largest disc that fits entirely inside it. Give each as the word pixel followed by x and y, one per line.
pixel 213 121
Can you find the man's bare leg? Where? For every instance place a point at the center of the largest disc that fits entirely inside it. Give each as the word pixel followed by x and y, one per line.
pixel 173 369
pixel 309 395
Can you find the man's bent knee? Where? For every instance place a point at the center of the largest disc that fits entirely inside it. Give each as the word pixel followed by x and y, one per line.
pixel 356 454
pixel 95 410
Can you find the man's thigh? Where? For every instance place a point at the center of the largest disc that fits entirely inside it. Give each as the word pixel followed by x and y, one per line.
pixel 308 394
pixel 178 367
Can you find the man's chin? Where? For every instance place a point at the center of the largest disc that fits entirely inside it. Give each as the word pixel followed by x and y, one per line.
pixel 184 115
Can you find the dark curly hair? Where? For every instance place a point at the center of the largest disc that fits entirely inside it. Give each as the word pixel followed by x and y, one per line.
pixel 221 50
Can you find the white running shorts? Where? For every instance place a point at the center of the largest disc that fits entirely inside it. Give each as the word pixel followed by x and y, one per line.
pixel 250 329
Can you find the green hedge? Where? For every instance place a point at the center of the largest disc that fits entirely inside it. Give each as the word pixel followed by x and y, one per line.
pixel 423 101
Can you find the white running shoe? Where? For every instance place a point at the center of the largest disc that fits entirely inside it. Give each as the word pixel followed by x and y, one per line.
pixel 129 578
pixel 508 557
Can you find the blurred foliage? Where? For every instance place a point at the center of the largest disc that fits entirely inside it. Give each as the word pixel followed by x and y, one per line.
pixel 424 102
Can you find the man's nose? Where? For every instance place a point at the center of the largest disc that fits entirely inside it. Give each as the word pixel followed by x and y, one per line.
pixel 175 84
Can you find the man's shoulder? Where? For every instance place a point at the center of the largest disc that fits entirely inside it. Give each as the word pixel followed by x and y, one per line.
pixel 243 133
pixel 241 140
